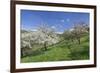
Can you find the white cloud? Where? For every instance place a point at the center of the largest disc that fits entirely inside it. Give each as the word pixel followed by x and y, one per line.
pixel 34 30
pixel 71 29
pixel 53 27
pixel 67 19
pixel 59 32
pixel 62 20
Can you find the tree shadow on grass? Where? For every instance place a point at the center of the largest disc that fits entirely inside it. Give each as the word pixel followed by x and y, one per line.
pixel 79 53
pixel 36 52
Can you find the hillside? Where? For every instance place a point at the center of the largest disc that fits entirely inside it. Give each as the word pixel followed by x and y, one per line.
pixel 65 50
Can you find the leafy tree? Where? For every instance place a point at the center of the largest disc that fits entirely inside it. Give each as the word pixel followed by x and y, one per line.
pixel 46 35
pixel 25 43
pixel 68 35
pixel 76 32
pixel 43 36
pixel 79 30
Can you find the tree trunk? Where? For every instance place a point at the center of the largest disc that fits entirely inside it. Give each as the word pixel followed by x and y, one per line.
pixel 45 46
pixel 22 52
pixel 79 41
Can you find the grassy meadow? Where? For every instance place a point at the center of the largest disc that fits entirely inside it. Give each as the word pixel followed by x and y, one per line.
pixel 65 50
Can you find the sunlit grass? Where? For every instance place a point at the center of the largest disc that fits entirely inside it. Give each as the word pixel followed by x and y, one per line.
pixel 62 52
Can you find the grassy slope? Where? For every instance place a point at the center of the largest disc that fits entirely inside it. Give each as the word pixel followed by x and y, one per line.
pixel 61 52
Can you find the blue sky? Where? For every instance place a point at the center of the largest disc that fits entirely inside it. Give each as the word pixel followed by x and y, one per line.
pixel 31 19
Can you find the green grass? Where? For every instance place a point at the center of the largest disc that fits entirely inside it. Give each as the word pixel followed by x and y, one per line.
pixel 63 51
